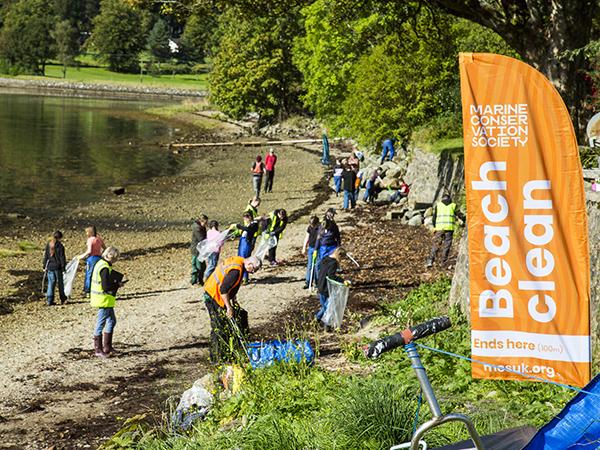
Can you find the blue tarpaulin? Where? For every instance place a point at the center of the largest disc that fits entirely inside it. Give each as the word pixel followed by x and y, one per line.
pixel 263 354
pixel 577 426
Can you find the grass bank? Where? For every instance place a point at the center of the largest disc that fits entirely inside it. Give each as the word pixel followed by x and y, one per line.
pixel 101 75
pixel 299 406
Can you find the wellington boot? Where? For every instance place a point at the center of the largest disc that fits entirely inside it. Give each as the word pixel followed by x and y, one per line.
pixel 98 347
pixel 107 344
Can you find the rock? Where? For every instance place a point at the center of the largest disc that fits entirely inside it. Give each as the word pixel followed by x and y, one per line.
pixel 411 214
pixel 428 221
pixel 415 221
pixel 391 215
pixel 428 212
pixel 394 172
pixel 117 190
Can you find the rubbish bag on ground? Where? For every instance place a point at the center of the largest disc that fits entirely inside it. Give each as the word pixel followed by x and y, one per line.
pixel 69 275
pixel 263 243
pixel 195 403
pixel 338 298
pixel 206 246
pixel 263 354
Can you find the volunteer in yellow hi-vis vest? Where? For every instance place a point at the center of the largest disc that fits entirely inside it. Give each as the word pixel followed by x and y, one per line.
pixel 103 291
pixel 220 291
pixel 445 213
pixel 277 222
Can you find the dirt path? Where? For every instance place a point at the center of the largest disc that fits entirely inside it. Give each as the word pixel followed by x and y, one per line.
pixel 54 392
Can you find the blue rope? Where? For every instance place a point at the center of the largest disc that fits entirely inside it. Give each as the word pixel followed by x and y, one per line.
pixel 456 355
pixel 416 421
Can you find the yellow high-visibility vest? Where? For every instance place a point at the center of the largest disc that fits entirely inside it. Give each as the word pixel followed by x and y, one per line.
pixel 444 218
pixel 99 298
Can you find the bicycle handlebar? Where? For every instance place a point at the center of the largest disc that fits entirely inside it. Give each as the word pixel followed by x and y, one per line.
pixel 435 325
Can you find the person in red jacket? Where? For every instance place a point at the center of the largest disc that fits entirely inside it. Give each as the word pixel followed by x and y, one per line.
pixel 270 161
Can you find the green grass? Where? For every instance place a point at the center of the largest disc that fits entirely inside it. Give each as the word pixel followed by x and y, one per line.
pixel 298 406
pixel 101 75
pixel 6 252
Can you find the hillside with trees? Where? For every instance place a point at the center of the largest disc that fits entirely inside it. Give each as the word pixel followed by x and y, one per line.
pixel 366 70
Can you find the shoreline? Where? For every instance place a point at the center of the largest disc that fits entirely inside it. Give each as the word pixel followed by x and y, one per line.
pixel 80 89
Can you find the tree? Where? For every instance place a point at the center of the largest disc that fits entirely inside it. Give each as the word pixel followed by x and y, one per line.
pixel 253 69
pixel 545 34
pixel 119 35
pixel 158 41
pixel 65 44
pixel 25 38
pixel 198 36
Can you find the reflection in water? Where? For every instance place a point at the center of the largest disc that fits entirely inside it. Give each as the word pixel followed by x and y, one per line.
pixel 56 151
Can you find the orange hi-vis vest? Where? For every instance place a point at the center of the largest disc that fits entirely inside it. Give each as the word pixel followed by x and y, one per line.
pixel 212 286
pixel 258 168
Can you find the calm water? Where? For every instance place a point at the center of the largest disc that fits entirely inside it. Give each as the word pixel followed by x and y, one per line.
pixel 56 152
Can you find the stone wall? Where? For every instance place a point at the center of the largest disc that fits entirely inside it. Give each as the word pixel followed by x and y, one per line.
pixel 446 169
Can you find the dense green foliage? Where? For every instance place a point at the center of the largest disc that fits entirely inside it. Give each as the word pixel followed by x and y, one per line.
pixel 118 35
pixel 252 69
pixel 25 44
pixel 298 407
pixel 158 40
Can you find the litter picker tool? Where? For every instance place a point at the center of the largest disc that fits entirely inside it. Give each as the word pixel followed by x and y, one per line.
pixel 349 255
pixel 236 329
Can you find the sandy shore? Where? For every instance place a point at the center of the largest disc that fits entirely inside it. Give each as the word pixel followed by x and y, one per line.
pixel 53 391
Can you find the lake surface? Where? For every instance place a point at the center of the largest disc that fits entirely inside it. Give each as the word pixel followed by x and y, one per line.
pixel 56 152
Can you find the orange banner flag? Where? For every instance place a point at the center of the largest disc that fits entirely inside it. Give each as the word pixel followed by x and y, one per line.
pixel 527 224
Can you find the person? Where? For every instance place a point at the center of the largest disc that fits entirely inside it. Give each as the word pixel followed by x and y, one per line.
pixel 220 292
pixel 252 207
pixel 401 193
pixel 337 176
pixel 370 187
pixel 249 232
pixel 444 222
pixel 213 234
pixel 270 161
pixel 95 247
pixel 105 283
pixel 55 262
pixel 308 249
pixel 354 162
pixel 325 157
pixel 349 185
pixel 258 169
pixel 388 149
pixel 275 225
pixel 198 234
pixel 328 238
pixel 328 269
pixel 357 184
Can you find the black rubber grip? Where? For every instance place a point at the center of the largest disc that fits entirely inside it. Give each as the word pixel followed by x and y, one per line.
pixel 376 348
pixel 430 327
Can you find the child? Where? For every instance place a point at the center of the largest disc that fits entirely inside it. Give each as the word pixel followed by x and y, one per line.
pixel 213 235
pixel 95 247
pixel 337 176
pixel 54 266
pixel 310 242
pixel 248 238
pixel 328 269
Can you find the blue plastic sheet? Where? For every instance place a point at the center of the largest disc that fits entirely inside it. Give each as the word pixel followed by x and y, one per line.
pixel 577 426
pixel 263 354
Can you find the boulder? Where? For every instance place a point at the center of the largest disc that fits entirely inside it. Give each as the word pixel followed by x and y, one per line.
pixel 395 172
pixel 415 221
pixel 428 221
pixel 394 215
pixel 428 212
pixel 411 214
